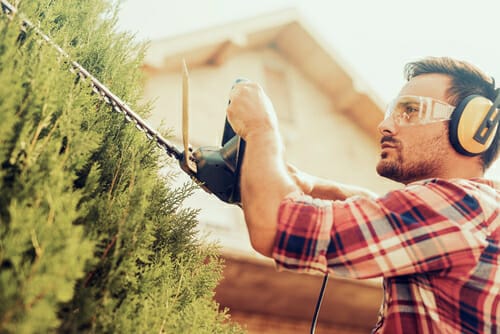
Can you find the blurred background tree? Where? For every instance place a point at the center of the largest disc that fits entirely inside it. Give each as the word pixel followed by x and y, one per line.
pixel 93 238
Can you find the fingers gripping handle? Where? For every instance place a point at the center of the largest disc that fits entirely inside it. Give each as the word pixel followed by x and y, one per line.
pixel 228 129
pixel 233 150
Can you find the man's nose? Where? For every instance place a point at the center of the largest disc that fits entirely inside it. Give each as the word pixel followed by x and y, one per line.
pixel 387 127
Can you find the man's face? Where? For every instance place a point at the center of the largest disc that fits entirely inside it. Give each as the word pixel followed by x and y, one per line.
pixel 416 152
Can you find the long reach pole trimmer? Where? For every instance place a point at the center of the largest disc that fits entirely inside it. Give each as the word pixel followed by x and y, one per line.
pixel 216 169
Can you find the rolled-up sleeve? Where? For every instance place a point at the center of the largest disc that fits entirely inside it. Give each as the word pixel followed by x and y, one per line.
pixel 303 233
pixel 426 227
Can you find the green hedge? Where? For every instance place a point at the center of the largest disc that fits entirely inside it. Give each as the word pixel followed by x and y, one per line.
pixel 92 238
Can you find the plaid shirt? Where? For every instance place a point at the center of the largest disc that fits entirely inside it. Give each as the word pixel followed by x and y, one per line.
pixel 435 243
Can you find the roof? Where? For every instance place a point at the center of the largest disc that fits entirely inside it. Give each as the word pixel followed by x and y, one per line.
pixel 288 34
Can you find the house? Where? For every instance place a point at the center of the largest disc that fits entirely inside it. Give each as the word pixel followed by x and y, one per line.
pixel 328 120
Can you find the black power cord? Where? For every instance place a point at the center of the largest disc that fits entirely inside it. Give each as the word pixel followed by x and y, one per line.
pixel 318 303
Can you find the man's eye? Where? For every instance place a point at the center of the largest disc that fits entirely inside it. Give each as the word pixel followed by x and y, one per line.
pixel 410 112
pixel 411 109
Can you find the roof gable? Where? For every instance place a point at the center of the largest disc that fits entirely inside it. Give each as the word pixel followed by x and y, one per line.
pixel 288 34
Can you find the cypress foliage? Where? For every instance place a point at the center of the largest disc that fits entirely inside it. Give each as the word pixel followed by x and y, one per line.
pixel 92 237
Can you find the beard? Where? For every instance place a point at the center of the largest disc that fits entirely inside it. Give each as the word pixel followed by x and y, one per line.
pixel 397 171
pixel 405 167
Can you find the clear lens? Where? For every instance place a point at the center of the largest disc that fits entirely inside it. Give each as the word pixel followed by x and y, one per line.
pixel 413 110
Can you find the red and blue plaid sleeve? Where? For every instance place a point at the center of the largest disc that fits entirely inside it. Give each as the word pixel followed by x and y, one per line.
pixel 428 226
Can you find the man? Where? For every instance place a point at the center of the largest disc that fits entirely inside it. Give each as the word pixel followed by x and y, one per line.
pixel 435 242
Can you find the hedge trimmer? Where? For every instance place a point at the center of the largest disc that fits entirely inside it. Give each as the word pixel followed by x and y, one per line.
pixel 215 169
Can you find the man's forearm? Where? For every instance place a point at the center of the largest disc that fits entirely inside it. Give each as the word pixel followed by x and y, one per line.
pixel 330 190
pixel 264 183
pixel 326 189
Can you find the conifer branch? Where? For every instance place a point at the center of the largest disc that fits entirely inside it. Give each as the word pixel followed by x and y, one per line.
pixel 37 298
pixel 65 150
pixel 162 326
pixel 113 181
pixel 8 315
pixel 38 130
pixel 103 256
pixel 52 211
pixel 51 131
pixel 36 244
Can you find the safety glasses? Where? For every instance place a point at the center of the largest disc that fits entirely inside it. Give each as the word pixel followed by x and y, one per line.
pixel 409 110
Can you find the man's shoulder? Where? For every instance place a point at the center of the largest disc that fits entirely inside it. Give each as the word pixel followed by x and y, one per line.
pixel 437 190
pixel 456 183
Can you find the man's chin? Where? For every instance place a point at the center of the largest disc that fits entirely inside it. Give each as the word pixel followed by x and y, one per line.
pixel 382 164
pixel 388 169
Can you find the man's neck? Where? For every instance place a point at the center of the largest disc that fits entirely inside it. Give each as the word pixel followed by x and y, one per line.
pixel 456 169
pixel 461 168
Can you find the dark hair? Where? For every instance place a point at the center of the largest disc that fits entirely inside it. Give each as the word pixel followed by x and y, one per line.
pixel 466 79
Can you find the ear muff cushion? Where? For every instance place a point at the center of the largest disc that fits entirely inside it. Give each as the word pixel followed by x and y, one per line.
pixel 465 120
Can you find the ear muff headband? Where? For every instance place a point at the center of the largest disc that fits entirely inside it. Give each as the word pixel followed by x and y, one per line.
pixel 473 125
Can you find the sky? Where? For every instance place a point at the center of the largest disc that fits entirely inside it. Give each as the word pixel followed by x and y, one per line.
pixel 375 38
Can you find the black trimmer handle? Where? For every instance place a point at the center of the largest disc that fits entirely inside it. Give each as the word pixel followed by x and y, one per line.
pixel 232 153
pixel 218 168
pixel 228 132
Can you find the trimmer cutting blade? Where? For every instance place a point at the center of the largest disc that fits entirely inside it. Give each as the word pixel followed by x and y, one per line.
pixel 188 158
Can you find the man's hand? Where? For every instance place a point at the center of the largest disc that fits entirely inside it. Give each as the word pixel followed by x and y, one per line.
pixel 250 111
pixel 303 180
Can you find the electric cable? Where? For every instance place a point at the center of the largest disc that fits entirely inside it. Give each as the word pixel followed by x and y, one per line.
pixel 318 303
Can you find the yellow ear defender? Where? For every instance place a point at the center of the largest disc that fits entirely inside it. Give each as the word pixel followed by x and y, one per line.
pixel 474 124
